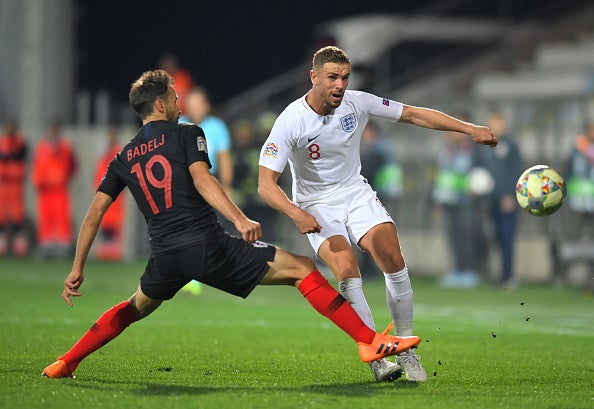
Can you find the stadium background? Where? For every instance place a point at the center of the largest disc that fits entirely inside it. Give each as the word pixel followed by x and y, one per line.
pixel 532 59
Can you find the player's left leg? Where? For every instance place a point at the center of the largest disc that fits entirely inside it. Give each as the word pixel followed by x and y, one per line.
pixel 107 327
pixel 383 245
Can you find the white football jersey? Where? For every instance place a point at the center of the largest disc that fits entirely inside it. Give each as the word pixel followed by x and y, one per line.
pixel 323 151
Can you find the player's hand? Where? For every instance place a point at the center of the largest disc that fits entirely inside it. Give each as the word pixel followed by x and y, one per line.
pixel 71 286
pixel 306 223
pixel 250 230
pixel 484 136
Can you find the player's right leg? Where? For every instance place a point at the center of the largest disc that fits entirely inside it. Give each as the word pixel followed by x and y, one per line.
pixel 107 327
pixel 296 270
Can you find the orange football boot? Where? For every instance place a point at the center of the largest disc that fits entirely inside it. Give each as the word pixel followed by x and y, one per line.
pixel 58 370
pixel 384 345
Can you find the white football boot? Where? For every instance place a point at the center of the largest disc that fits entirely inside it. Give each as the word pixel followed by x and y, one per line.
pixel 410 363
pixel 385 371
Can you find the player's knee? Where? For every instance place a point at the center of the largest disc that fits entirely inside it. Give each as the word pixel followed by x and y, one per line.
pixel 294 262
pixel 398 262
pixel 346 267
pixel 301 267
pixel 393 261
pixel 346 270
pixel 143 305
pixel 308 264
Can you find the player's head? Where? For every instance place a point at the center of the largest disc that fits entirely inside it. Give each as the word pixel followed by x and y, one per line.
pixel 329 54
pixel 331 69
pixel 153 91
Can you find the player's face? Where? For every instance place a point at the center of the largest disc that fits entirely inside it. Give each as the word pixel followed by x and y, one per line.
pixel 172 111
pixel 330 82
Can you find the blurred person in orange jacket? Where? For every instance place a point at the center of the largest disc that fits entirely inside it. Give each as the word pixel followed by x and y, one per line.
pixel 54 165
pixel 13 155
pixel 110 243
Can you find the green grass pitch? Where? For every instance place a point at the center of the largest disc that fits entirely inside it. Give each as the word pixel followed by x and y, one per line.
pixel 482 348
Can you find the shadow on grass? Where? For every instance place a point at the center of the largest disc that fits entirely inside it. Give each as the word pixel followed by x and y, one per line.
pixel 359 389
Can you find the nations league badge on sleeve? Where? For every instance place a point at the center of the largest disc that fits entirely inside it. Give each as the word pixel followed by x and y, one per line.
pixel 201 142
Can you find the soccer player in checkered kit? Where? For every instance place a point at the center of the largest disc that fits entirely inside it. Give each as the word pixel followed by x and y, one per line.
pixel 166 168
pixel 319 136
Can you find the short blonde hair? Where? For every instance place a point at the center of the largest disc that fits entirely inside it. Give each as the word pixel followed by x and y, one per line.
pixel 329 54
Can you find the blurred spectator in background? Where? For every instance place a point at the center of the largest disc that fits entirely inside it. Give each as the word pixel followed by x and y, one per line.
pixel 504 163
pixel 54 165
pixel 456 203
pixel 580 196
pixel 13 156
pixel 182 80
pixel 110 243
pixel 580 174
pixel 245 149
pixel 217 134
pixel 247 142
pixel 379 165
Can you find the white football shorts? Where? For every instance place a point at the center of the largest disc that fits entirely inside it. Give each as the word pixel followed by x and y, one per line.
pixel 351 215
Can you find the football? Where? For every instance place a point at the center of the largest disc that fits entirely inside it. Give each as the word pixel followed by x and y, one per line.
pixel 541 190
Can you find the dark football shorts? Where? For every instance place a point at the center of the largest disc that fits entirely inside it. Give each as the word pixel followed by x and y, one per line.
pixel 231 265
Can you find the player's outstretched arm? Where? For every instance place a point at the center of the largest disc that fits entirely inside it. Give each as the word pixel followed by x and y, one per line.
pixel 272 194
pixel 212 191
pixel 433 119
pixel 86 236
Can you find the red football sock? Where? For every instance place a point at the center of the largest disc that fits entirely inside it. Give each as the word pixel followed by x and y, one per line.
pixel 107 327
pixel 328 302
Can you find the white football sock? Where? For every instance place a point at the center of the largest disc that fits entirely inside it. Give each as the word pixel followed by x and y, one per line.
pixel 352 290
pixel 399 295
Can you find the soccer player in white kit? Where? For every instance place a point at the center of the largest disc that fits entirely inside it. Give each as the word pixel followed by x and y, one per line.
pixel 319 136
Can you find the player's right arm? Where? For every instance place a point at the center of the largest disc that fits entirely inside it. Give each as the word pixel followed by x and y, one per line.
pixel 276 198
pixel 86 236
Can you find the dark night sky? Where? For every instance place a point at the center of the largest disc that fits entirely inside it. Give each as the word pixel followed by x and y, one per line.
pixel 228 46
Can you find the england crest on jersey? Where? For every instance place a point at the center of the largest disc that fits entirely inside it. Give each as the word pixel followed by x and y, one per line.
pixel 348 122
